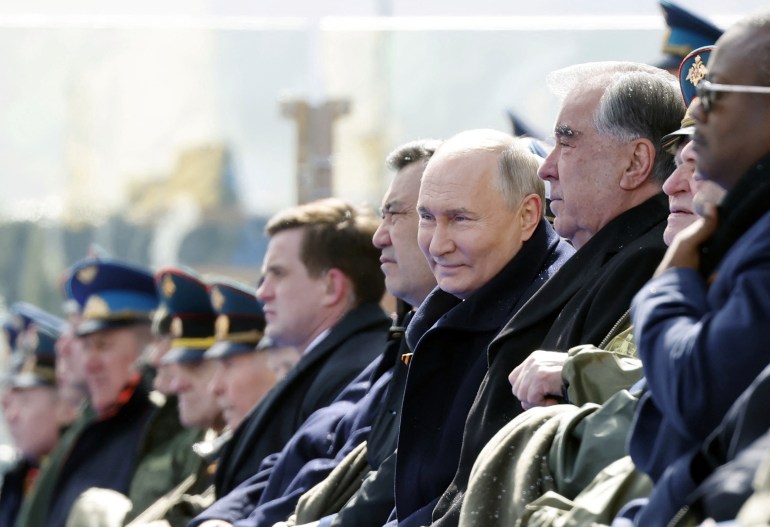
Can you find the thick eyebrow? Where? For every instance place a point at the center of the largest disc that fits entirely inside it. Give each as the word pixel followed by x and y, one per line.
pixel 565 130
pixel 394 207
pixel 273 268
pixel 449 212
pixel 390 205
pixel 461 211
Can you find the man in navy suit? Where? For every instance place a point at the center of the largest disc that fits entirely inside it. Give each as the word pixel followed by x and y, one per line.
pixel 372 400
pixel 321 289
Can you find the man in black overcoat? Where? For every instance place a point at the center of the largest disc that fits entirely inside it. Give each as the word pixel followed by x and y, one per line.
pixel 483 233
pixel 605 174
pixel 321 288
pixel 371 402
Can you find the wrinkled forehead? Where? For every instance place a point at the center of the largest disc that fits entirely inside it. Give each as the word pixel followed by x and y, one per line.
pixel 579 107
pixel 460 170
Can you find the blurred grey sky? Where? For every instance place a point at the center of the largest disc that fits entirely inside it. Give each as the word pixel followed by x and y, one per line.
pixel 97 94
pixel 311 8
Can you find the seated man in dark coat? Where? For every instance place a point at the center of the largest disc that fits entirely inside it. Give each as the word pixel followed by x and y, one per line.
pixel 186 299
pixel 582 481
pixel 247 366
pixel 606 172
pixel 372 400
pixel 32 407
pixel 482 231
pixel 321 288
pixel 701 322
pixel 122 427
pixel 233 374
pixel 187 311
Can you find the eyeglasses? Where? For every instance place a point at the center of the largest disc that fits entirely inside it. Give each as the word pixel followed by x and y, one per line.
pixel 705 91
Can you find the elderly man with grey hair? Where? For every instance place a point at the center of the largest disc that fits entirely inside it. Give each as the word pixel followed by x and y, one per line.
pixel 606 172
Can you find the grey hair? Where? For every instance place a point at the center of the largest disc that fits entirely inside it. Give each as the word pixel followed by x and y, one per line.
pixel 517 165
pixel 412 152
pixel 638 101
pixel 517 173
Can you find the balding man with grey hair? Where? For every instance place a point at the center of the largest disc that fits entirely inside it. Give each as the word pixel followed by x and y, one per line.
pixel 482 230
pixel 605 172
pixel 607 159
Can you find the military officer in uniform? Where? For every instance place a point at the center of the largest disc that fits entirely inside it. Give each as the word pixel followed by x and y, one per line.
pixel 244 371
pixel 247 365
pixel 31 404
pixel 189 317
pixel 121 429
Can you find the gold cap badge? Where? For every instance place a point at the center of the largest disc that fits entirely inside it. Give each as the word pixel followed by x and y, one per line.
pixel 697 71
pixel 168 286
pixel 217 298
pixel 222 327
pixel 87 274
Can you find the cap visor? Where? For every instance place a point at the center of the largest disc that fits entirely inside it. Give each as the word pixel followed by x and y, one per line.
pixel 176 355
pixel 29 380
pixel 224 349
pixel 88 327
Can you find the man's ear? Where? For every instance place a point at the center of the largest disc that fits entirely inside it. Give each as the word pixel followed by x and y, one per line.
pixel 639 167
pixel 337 287
pixel 530 214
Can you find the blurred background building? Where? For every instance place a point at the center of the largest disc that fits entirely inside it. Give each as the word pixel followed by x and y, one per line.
pixel 167 131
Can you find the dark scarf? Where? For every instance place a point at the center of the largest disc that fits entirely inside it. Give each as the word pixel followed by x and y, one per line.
pixel 741 208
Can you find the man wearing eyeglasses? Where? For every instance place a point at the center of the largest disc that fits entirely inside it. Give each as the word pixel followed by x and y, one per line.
pixel 702 321
pixel 732 133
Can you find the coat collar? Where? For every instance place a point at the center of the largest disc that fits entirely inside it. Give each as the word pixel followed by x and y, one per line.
pixel 610 240
pixel 357 319
pixel 741 208
pixel 489 308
